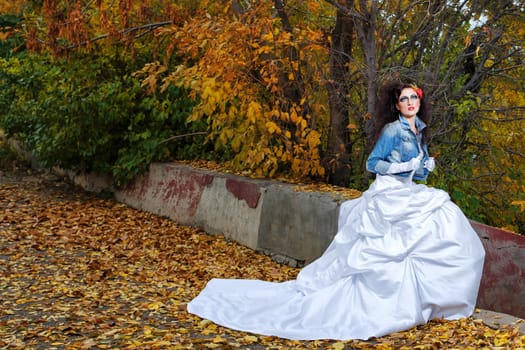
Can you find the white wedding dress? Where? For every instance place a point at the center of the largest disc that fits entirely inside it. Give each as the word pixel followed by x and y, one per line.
pixel 403 254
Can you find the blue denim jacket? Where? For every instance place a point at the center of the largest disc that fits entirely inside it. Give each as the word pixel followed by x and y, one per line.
pixel 398 144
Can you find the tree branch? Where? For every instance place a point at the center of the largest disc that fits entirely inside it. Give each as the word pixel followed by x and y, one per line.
pixel 519 154
pixel 182 136
pixel 147 27
pixel 346 10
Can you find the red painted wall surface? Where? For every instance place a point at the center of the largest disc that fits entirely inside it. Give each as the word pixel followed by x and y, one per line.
pixel 503 283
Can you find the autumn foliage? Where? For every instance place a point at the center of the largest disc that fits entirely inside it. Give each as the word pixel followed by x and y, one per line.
pixel 286 88
pixel 83 272
pixel 238 69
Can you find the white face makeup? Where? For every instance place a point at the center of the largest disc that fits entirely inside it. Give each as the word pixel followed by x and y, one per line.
pixel 408 103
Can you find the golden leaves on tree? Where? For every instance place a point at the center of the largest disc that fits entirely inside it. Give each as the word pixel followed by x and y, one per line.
pixel 236 70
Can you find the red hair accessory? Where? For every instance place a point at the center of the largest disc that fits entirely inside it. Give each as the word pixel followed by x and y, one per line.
pixel 418 91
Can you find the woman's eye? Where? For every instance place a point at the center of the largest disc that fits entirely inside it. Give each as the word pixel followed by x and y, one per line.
pixel 404 99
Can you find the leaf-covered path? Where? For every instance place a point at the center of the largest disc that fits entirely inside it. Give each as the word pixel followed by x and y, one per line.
pixel 79 271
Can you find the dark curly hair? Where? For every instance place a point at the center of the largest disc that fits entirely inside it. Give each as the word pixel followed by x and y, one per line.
pixel 387 112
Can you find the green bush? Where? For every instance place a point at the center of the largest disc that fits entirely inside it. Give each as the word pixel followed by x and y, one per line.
pixel 91 114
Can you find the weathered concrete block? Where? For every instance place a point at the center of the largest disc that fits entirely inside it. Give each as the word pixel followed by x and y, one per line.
pixel 170 190
pixel 503 282
pixel 93 182
pixel 299 225
pixel 231 205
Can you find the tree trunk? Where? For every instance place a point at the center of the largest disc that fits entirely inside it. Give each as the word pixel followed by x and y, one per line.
pixel 366 30
pixel 337 157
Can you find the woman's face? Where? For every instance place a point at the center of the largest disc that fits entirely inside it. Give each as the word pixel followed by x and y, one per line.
pixel 408 103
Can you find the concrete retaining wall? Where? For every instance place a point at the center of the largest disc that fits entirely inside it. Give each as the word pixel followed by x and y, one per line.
pixel 269 216
pixel 293 226
pixel 503 284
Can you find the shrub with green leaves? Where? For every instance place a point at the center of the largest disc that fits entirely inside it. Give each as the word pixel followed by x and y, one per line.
pixel 91 114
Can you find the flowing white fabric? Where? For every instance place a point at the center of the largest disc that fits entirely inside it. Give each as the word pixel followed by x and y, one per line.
pixel 403 254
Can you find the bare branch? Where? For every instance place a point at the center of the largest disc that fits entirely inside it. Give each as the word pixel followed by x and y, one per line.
pixel 147 28
pixel 182 136
pixel 346 10
pixel 519 154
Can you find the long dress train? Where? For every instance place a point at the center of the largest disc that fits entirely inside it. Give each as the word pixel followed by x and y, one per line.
pixel 404 254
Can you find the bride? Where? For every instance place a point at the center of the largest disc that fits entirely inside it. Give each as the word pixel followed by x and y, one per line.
pixel 404 253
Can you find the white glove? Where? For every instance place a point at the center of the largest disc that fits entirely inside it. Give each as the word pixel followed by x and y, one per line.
pixel 396 168
pixel 430 164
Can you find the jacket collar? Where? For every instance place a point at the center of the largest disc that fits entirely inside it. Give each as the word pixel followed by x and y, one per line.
pixel 420 125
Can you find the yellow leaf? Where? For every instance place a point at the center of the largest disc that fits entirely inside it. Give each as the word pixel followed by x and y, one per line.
pixel 250 339
pixel 219 339
pixel 501 339
pixel 204 323
pixel 267 36
pixel 182 331
pixel 155 305
pixel 338 346
pixel 254 112
pixel 147 331
pixel 273 128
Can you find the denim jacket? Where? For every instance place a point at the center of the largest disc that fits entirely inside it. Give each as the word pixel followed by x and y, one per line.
pixel 398 144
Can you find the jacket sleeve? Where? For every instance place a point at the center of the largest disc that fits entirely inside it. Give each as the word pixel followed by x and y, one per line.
pixel 377 161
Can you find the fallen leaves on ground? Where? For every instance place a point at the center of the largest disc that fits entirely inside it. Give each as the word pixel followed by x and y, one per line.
pixel 79 271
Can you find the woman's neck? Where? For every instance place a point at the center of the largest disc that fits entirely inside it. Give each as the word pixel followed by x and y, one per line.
pixel 412 122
